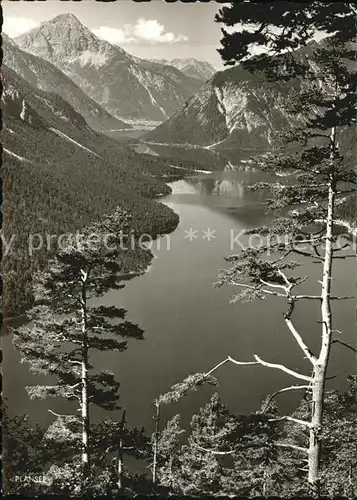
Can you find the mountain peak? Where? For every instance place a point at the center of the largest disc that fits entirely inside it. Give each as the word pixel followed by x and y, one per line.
pixel 66 18
pixel 6 39
pixel 65 39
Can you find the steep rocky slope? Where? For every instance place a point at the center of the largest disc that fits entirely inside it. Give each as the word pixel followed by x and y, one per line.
pixel 45 76
pixel 235 108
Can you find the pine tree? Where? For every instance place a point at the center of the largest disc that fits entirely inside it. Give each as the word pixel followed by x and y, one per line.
pixel 112 442
pixel 323 109
pixel 24 454
pixel 65 325
pixel 176 392
pixel 201 463
pixel 339 439
pixel 169 445
pixel 339 466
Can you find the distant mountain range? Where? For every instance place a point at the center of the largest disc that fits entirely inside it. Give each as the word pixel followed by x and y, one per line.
pixel 124 85
pixel 201 70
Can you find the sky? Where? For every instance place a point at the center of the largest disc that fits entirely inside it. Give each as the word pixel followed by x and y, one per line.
pixel 147 30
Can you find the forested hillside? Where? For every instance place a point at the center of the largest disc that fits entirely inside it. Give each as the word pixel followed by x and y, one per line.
pixel 60 175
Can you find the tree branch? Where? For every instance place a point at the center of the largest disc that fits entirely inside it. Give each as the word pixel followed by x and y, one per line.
pixel 285 389
pixel 283 368
pixel 293 446
pixel 306 350
pixel 273 285
pixel 58 415
pixel 216 367
pixel 269 292
pixel 270 365
pixel 338 341
pixel 214 452
pixel 291 419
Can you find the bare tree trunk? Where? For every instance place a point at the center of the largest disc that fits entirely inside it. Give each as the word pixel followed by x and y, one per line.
pixel 84 378
pixel 156 442
pixel 120 465
pixel 265 483
pixel 120 454
pixel 320 367
pixel 170 471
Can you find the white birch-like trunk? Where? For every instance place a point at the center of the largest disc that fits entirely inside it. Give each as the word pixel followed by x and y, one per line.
pixel 156 443
pixel 84 379
pixel 120 465
pixel 321 364
pixel 120 455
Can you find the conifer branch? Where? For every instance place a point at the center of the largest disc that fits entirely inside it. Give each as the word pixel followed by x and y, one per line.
pixel 250 287
pixel 285 389
pixel 65 416
pixel 215 452
pixel 307 254
pixel 291 419
pixel 292 446
pixel 273 285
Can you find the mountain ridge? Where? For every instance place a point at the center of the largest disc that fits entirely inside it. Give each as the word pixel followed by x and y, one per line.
pixel 195 68
pixel 235 108
pixel 45 76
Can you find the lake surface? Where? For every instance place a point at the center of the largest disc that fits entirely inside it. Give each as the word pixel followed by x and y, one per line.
pixel 191 326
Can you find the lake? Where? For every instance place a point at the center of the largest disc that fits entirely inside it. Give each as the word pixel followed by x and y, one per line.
pixel 191 326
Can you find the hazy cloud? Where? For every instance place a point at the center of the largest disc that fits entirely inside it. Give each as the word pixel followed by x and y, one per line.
pixel 16 25
pixel 144 30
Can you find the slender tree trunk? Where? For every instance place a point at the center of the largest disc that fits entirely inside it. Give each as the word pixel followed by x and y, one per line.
pixel 156 442
pixel 170 471
pixel 120 465
pixel 265 485
pixel 84 379
pixel 320 368
pixel 120 454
